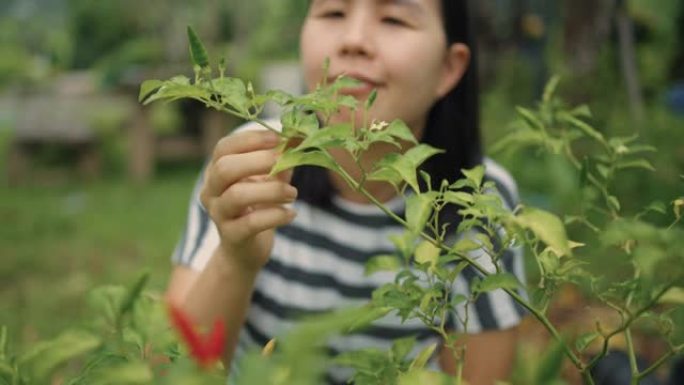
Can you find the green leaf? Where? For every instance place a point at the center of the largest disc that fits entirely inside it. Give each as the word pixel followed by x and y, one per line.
pixel 386 174
pixel 147 87
pixel 530 118
pixel 424 376
pixel 233 92
pixel 584 127
pixel 279 97
pixel 344 81
pixel 423 357
pixel 585 340
pixel 178 88
pixel 551 364
pixel 300 122
pixel 639 148
pixel 673 296
pixel 475 175
pixel 658 207
pixel 133 294
pixel 677 206
pixel 400 130
pixel 428 253
pixel 549 261
pixel 547 227
pixel 458 197
pixel 638 163
pixel 347 101
pixel 426 300
pixel 198 53
pixel 465 245
pixel 291 159
pixel 382 263
pixel 584 173
pixel 402 347
pixel 369 315
pixel 404 165
pixel 418 211
pixel 404 243
pixel 330 136
pixel 518 138
pixel 411 160
pixel 498 281
pixel 458 299
pixel 371 98
pixel 427 178
pixel 550 89
pixel 613 202
pixel 582 111
pixel 130 373
pixel 47 356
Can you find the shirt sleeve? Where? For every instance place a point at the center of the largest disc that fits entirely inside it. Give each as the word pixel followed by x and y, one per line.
pixel 199 238
pixel 494 310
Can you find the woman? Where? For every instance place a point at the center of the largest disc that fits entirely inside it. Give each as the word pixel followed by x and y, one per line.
pixel 257 261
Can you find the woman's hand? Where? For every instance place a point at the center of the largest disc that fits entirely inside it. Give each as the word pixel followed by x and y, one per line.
pixel 245 204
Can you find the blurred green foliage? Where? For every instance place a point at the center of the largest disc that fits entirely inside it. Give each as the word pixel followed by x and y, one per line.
pixel 66 239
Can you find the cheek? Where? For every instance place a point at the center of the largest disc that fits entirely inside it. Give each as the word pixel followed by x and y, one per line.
pixel 309 58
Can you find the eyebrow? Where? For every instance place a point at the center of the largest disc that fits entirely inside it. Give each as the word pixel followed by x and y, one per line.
pixel 408 3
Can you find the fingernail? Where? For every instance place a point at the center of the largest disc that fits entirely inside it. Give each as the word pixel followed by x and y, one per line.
pixel 291 192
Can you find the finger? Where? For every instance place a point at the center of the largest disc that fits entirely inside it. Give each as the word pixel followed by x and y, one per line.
pixel 238 197
pixel 257 221
pixel 243 142
pixel 285 176
pixel 230 169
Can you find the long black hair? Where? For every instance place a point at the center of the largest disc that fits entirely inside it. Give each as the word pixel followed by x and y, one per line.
pixel 453 123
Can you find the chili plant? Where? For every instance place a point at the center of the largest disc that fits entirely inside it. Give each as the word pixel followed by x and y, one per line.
pixel 654 254
pixel 131 340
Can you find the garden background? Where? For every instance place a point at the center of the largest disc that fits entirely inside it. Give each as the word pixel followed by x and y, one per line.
pixel 94 189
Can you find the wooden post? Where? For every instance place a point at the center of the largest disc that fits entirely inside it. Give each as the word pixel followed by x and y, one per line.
pixel 215 125
pixel 141 147
pixel 90 160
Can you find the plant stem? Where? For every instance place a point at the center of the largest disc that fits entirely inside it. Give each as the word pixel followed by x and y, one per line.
pixel 656 364
pixel 632 357
pixel 516 297
pixel 632 317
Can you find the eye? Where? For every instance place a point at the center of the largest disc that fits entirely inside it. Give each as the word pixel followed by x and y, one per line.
pixel 393 21
pixel 332 14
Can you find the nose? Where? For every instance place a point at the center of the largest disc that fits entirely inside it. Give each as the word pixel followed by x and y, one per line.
pixel 357 37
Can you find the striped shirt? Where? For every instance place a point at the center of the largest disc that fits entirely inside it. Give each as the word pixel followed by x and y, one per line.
pixel 317 264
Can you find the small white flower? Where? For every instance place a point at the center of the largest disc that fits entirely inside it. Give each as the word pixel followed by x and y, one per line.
pixel 378 126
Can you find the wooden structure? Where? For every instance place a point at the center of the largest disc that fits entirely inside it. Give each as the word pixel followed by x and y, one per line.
pixel 59 116
pixel 145 147
pixel 63 116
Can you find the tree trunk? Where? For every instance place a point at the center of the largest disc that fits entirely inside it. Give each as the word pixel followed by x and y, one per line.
pixel 628 62
pixel 587 26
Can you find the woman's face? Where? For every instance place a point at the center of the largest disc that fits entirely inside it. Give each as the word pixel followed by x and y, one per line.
pixel 396 46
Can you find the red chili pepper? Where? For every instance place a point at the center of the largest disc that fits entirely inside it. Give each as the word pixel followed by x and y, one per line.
pixel 207 349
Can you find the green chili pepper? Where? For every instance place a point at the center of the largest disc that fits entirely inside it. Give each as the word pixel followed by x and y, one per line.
pixel 197 51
